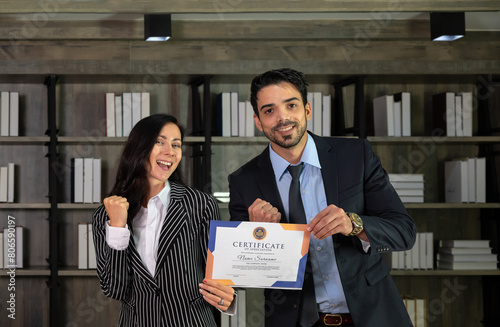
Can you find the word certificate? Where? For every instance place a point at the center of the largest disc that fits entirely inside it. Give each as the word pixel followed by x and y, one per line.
pixel 254 254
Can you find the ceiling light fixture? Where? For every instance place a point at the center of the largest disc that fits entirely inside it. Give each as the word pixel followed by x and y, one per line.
pixel 447 26
pixel 157 27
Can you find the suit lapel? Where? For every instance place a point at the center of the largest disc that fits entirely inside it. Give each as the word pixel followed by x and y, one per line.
pixel 267 183
pixel 328 160
pixel 174 223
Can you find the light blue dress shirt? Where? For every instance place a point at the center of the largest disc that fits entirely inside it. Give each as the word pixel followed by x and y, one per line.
pixel 329 292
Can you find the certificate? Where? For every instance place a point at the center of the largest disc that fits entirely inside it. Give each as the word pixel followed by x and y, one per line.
pixel 254 254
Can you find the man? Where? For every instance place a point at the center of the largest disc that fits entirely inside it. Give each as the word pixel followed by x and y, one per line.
pixel 350 207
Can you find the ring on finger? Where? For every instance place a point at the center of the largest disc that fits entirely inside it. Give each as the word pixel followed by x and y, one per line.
pixel 221 302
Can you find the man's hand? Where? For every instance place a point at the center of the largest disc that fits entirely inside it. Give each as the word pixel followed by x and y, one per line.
pixel 116 208
pixel 330 221
pixel 263 211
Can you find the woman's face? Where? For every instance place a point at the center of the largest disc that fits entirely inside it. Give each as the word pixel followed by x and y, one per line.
pixel 165 155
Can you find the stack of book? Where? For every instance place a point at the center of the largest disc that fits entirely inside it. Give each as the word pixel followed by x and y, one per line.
pixel 234 117
pixel 86 249
pixel 392 115
pixel 11 247
pixel 452 113
pixel 321 121
pixel 9 113
pixel 7 183
pixel 416 310
pixel 86 180
pixel 466 255
pixel 465 180
pixel 409 187
pixel 421 256
pixel 222 197
pixel 124 111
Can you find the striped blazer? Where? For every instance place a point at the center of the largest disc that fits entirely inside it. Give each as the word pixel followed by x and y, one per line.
pixel 171 297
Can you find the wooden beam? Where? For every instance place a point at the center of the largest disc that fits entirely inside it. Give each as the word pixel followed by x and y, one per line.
pixel 49 7
pixel 249 57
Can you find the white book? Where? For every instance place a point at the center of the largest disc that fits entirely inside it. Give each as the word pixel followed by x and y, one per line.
pixel 412 199
pixel 471 176
pixel 481 180
pixel 401 259
pixel 145 104
pixel 127 113
pixel 467 113
pixel 429 250
pixel 415 254
pixel 383 115
pixel 422 250
pixel 234 114
pixel 118 115
pixel 410 192
pixel 490 257
pixel 408 260
pixel 456 179
pixel 394 260
pixel 10 182
pixel 136 108
pixel 327 115
pixel 88 175
pixel 242 114
pixel 96 181
pixel 310 122
pixel 407 185
pixel 14 114
pixel 420 320
pixel 77 178
pixel 1 249
pixel 397 118
pixel 224 114
pixel 411 308
pixel 406 177
pixel 458 116
pixel 249 121
pixel 317 114
pixel 110 115
pixel 4 177
pixel 92 262
pixel 6 264
pixel 19 247
pixel 82 246
pixel 405 99
pixel 467 265
pixel 4 113
pixel 465 243
pixel 459 250
pixel 444 112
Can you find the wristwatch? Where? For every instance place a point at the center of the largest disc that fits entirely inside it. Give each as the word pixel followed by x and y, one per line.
pixel 357 223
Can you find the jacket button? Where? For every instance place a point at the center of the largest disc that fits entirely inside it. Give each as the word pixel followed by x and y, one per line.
pixel 295 306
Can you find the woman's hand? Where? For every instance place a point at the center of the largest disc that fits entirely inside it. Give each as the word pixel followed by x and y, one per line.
pixel 218 295
pixel 117 210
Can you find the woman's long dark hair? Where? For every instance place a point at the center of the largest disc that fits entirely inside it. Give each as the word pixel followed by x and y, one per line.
pixel 131 177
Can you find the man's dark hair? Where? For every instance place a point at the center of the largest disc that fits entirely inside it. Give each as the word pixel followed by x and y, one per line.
pixel 278 76
pixel 131 177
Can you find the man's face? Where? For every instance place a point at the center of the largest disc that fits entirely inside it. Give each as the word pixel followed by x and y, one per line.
pixel 282 115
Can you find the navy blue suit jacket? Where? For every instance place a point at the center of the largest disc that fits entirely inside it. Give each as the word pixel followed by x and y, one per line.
pixel 355 181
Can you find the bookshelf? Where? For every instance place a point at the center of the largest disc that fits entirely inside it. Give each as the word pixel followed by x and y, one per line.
pixel 92 57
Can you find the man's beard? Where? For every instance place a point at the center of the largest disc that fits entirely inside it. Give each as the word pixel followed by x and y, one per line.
pixel 287 141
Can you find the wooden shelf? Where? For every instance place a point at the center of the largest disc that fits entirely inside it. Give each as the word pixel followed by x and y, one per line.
pixel 27 140
pixel 43 272
pixel 104 140
pixel 432 205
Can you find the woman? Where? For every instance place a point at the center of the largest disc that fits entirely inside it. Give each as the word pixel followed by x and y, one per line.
pixel 151 235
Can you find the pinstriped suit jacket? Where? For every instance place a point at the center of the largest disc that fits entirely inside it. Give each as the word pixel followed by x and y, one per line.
pixel 171 297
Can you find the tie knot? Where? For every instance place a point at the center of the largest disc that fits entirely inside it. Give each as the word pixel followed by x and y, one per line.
pixel 295 171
